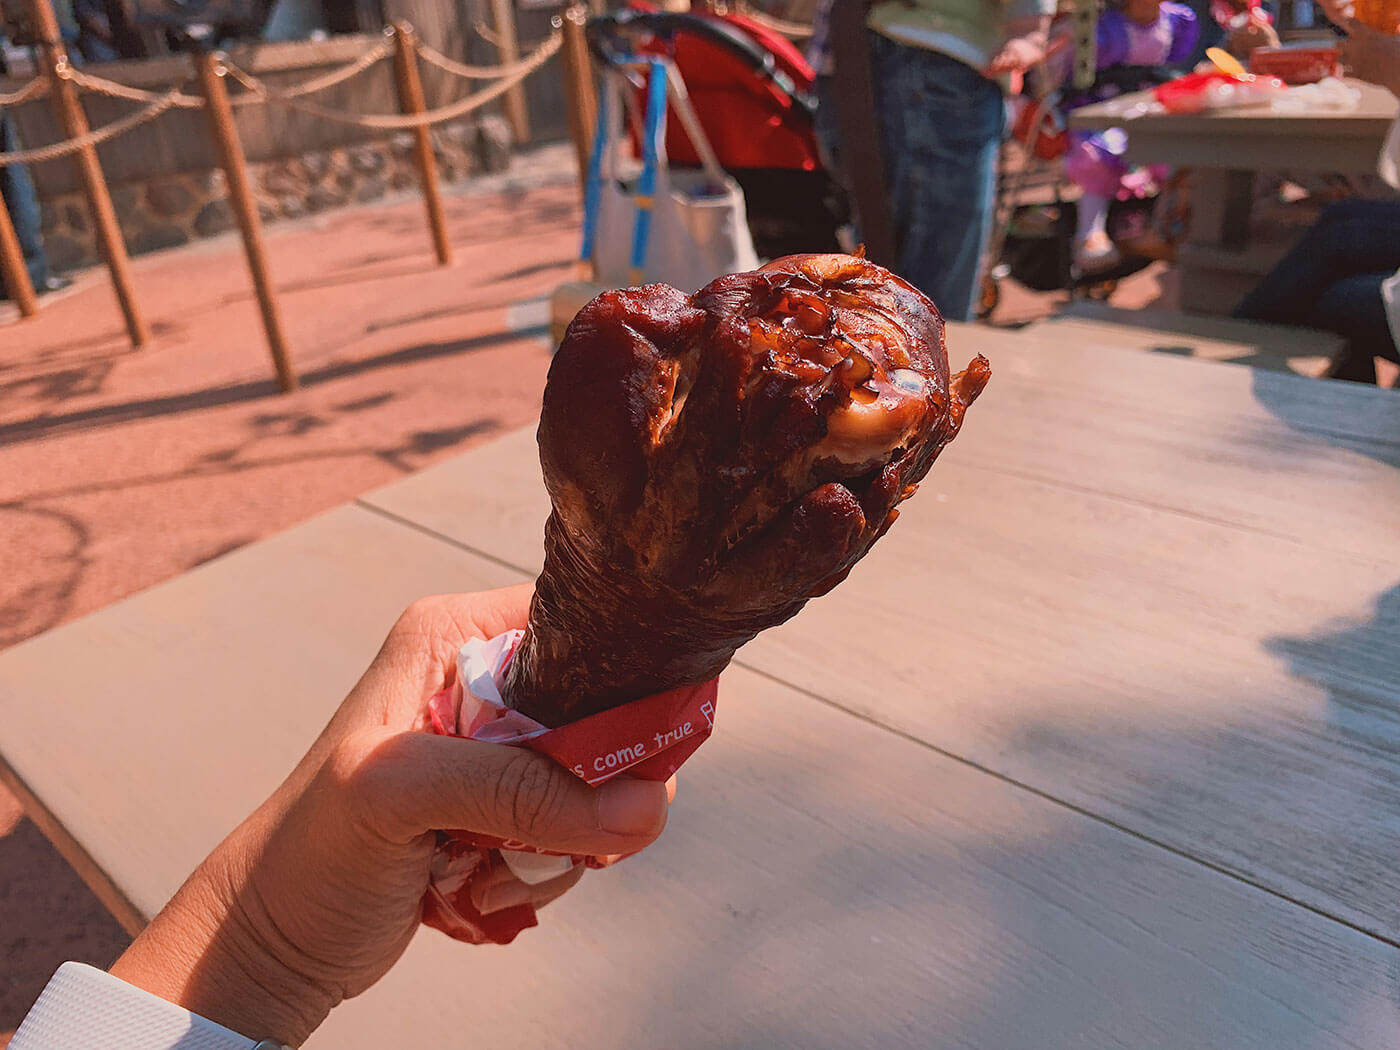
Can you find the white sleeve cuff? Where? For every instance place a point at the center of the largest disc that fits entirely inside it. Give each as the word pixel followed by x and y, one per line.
pixel 83 1006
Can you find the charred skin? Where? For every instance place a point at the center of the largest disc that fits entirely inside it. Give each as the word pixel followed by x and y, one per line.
pixel 716 460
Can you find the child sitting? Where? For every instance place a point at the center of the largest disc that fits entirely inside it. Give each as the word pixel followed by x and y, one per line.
pixel 1136 39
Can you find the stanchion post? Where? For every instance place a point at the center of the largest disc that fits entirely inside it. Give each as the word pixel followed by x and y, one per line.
pixel 411 103
pixel 75 124
pixel 503 14
pixel 582 96
pixel 16 274
pixel 240 194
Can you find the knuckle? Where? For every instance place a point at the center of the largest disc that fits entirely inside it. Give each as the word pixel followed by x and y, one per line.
pixel 418 612
pixel 358 765
pixel 363 775
pixel 532 796
pixel 345 770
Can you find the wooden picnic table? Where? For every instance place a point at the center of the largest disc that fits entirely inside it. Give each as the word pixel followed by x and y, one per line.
pixel 1223 258
pixel 1100 747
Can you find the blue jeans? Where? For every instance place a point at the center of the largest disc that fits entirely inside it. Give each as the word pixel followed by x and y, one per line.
pixel 1332 280
pixel 941 124
pixel 17 188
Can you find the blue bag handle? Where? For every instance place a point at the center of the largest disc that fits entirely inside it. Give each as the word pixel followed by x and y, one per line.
pixel 593 181
pixel 646 185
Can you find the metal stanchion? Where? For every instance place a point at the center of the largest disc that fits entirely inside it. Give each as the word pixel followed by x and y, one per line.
pixel 75 125
pixel 240 195
pixel 503 14
pixel 12 266
pixel 411 102
pixel 578 85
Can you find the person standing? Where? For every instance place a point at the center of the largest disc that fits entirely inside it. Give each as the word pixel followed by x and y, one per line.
pixel 934 69
pixel 17 190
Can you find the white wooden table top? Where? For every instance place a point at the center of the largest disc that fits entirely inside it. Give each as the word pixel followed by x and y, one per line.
pixel 1251 138
pixel 1097 749
pixel 1376 107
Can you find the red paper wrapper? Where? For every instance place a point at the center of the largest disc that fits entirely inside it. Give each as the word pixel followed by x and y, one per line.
pixel 648 739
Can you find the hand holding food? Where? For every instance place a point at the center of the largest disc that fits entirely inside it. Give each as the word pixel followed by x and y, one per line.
pixel 313 897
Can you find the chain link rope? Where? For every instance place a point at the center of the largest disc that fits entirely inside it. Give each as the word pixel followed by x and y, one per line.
pixel 403 122
pixel 40 154
pixel 258 92
pixel 436 58
pixel 36 88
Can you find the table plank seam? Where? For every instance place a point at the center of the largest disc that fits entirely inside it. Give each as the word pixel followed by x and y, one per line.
pixel 399 519
pixel 1164 508
pixel 1040 793
pixel 1073 807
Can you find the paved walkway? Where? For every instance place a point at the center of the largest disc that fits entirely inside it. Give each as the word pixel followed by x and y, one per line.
pixel 122 468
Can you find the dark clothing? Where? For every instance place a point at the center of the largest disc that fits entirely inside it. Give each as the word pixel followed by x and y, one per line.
pixel 941 124
pixel 17 192
pixel 17 189
pixel 1332 280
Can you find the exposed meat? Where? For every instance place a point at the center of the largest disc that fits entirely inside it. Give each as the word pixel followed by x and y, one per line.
pixel 716 460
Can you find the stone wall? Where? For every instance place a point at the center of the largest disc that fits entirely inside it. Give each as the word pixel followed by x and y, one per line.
pixel 166 211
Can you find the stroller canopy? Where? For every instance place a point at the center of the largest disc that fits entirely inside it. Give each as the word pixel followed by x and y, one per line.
pixel 750 86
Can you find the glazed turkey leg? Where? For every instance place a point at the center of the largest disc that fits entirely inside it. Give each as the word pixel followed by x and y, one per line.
pixel 716 460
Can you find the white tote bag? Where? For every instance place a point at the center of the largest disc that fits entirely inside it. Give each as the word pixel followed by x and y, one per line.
pixel 652 222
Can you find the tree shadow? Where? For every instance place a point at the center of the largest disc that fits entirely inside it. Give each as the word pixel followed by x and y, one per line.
pixel 1348 659
pixel 1363 419
pixel 46 600
pixel 253 390
pixel 347 275
pixel 41 594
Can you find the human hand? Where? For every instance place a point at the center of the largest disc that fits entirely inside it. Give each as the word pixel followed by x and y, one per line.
pixel 315 896
pixel 1339 12
pixel 1017 55
pixel 1255 33
pixel 1372 55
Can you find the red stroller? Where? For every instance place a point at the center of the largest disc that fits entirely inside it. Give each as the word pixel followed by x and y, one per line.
pixel 752 91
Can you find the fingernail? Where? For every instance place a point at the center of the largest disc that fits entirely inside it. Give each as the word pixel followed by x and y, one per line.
pixel 631 807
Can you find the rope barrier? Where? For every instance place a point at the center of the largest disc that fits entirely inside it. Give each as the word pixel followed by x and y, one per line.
pixel 450 65
pixel 401 122
pixel 92 138
pixel 36 88
pixel 372 57
pixel 488 34
pixel 156 102
pixel 112 89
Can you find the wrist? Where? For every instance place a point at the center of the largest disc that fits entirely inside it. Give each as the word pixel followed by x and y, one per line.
pixel 204 953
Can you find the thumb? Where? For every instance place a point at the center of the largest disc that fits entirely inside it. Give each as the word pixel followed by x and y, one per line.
pixel 419 782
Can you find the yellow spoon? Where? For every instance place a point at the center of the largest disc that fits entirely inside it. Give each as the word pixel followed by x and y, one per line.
pixel 1226 62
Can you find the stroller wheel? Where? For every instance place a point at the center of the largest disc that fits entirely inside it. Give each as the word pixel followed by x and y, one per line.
pixel 988 297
